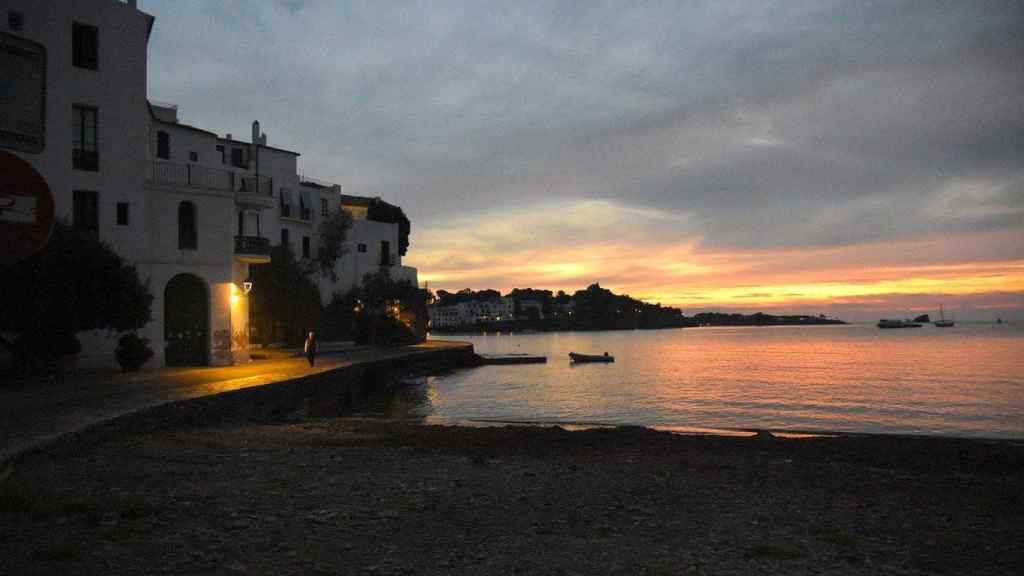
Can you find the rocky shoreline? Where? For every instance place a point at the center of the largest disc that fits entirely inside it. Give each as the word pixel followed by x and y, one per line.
pixel 355 496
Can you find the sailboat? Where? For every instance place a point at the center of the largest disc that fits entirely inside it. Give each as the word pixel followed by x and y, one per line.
pixel 942 322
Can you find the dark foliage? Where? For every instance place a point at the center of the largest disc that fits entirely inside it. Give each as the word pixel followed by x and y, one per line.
pixel 381 211
pixel 132 352
pixel 284 303
pixel 385 312
pixel 333 230
pixel 75 283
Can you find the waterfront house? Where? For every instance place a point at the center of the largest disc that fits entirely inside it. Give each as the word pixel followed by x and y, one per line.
pixel 191 209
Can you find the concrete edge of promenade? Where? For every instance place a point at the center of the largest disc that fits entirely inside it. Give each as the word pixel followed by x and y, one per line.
pixel 339 386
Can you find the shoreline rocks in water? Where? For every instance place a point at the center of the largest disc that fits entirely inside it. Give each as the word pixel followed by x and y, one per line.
pixel 376 497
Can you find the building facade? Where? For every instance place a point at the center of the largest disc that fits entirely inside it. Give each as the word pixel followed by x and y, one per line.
pixel 191 209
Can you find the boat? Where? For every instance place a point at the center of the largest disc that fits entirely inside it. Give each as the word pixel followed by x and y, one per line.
pixel 579 358
pixel 885 323
pixel 942 322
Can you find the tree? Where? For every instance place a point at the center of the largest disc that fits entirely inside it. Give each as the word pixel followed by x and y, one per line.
pixel 388 311
pixel 284 302
pixel 75 283
pixel 381 211
pixel 333 231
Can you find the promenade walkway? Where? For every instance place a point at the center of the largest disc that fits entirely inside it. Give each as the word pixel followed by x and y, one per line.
pixel 35 413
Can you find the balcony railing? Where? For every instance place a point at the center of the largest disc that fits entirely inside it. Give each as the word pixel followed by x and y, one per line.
pixel 252 245
pixel 195 176
pixel 290 211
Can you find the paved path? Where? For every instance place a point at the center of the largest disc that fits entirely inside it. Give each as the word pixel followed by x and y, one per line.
pixel 33 414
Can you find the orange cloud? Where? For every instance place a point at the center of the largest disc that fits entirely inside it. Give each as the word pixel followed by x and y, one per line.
pixel 550 246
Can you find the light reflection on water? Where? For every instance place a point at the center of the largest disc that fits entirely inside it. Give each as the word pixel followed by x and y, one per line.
pixel 963 381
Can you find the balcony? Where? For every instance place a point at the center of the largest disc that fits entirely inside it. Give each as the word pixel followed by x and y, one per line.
pixel 256 191
pixel 296 212
pixel 252 249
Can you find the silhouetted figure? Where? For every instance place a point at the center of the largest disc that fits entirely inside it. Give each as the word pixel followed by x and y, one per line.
pixel 310 348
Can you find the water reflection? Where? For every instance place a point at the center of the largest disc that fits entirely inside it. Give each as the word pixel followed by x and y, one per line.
pixel 961 381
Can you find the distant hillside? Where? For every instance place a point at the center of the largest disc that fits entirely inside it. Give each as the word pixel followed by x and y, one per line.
pixel 594 308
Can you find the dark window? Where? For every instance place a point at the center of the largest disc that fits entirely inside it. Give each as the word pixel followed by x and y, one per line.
pixel 385 253
pixel 86 213
pixel 193 156
pixel 323 206
pixel 238 158
pixel 84 46
pixel 163 145
pixel 241 223
pixel 187 229
pixel 284 236
pixel 122 213
pixel 221 150
pixel 305 246
pixel 15 21
pixel 84 148
pixel 361 248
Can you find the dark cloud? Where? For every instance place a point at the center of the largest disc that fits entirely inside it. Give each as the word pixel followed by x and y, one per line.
pixel 781 124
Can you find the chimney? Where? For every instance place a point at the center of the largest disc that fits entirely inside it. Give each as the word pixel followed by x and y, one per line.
pixel 255 132
pixel 263 139
pixel 227 136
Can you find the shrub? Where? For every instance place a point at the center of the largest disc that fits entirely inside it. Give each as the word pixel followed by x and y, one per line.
pixel 132 352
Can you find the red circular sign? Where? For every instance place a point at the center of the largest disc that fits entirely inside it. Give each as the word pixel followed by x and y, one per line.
pixel 26 209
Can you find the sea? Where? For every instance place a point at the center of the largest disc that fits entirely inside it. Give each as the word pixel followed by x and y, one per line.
pixel 965 381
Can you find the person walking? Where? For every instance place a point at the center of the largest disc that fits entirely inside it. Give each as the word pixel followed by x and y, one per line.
pixel 310 348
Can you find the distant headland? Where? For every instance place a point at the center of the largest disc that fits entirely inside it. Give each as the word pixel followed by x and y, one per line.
pixel 595 308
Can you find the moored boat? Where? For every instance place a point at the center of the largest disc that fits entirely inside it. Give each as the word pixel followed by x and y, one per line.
pixel 574 357
pixel 942 322
pixel 886 323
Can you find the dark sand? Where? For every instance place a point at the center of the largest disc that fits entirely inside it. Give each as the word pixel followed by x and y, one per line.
pixel 367 497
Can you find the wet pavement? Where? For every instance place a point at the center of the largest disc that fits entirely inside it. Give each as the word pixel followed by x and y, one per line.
pixel 34 413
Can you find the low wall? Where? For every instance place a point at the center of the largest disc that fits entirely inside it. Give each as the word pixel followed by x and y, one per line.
pixel 338 388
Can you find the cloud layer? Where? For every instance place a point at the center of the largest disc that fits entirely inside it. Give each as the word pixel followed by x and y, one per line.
pixel 640 146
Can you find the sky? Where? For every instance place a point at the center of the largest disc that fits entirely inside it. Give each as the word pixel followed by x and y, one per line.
pixel 858 158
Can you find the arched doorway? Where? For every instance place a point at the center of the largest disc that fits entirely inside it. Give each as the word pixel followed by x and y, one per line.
pixel 186 322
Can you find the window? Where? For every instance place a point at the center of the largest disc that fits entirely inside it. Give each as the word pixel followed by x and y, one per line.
pixel 84 46
pixel 361 248
pixel 193 156
pixel 305 246
pixel 241 223
pixel 284 236
pixel 15 20
pixel 84 154
pixel 122 213
pixel 238 158
pixel 163 145
pixel 85 212
pixel 323 206
pixel 385 253
pixel 286 202
pixel 223 159
pixel 187 229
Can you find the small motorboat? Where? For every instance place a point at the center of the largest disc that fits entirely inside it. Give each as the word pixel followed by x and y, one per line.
pixel 578 358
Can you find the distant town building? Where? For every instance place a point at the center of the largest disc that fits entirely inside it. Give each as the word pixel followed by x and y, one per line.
pixel 193 210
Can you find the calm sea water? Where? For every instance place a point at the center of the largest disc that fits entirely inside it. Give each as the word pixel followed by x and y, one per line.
pixel 962 381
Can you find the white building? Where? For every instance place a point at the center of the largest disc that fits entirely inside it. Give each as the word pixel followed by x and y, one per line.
pixel 472 312
pixel 192 210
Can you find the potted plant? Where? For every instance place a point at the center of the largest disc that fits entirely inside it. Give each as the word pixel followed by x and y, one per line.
pixel 132 351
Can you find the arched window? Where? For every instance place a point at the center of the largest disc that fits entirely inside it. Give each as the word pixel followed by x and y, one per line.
pixel 163 145
pixel 187 229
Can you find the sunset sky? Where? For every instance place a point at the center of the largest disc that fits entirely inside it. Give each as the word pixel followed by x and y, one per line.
pixel 851 158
